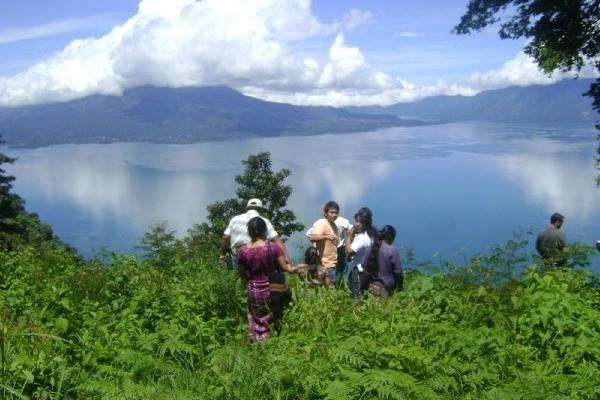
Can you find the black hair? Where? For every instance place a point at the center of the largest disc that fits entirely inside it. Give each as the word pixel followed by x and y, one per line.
pixel 257 228
pixel 388 234
pixel 365 215
pixel 556 217
pixel 312 259
pixel 331 204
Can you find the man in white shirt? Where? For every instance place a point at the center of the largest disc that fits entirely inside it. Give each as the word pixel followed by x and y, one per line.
pixel 236 233
pixel 343 226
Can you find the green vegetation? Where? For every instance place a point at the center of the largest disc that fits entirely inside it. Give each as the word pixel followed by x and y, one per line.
pixel 174 329
pixel 257 181
pixel 172 326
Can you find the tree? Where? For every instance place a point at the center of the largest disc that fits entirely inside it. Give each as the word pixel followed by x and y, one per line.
pixel 5 180
pixel 11 205
pixel 160 246
pixel 563 34
pixel 257 181
pixel 17 226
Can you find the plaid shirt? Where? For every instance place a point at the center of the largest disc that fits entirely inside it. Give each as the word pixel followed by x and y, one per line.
pixel 237 229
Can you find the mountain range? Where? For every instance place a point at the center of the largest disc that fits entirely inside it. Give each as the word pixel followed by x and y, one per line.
pixel 188 115
pixel 182 115
pixel 556 103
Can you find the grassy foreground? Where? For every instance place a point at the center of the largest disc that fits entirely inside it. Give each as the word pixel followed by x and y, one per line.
pixel 175 329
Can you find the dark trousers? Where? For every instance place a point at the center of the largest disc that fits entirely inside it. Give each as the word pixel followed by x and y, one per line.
pixel 354 281
pixel 340 267
pixel 279 300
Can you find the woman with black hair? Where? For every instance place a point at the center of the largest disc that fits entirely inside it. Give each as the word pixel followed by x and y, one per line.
pixel 383 271
pixel 256 261
pixel 364 234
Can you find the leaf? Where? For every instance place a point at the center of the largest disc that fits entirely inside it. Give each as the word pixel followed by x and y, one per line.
pixel 14 392
pixel 61 324
pixel 482 291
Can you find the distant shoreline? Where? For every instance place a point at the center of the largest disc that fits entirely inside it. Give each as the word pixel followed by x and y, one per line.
pixel 203 114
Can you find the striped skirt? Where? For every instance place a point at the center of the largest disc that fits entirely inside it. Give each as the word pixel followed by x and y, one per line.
pixel 258 311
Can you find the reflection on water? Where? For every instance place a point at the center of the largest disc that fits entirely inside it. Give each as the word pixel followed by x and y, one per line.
pixel 443 186
pixel 554 175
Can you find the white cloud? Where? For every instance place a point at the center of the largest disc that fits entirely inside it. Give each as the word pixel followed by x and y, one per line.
pixel 520 71
pixel 553 190
pixel 180 43
pixel 376 88
pixel 345 64
pixel 52 28
pixel 356 18
pixel 406 34
pixel 248 45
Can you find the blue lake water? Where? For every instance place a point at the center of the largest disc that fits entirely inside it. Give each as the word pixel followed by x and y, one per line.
pixel 444 187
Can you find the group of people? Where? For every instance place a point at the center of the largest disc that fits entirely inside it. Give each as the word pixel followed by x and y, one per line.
pixel 358 254
pixel 343 254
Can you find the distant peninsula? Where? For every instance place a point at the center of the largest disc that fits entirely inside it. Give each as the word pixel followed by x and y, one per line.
pixel 198 114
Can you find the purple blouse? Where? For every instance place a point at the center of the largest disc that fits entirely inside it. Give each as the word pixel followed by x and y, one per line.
pixel 256 260
pixel 389 265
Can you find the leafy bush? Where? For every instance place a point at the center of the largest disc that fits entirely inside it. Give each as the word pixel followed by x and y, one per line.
pixel 135 329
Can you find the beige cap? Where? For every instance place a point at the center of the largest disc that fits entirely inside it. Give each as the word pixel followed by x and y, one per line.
pixel 254 203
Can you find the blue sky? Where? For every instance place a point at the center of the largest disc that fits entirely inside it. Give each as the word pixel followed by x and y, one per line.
pixel 320 52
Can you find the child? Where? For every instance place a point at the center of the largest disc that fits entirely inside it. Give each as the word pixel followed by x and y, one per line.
pixel 313 269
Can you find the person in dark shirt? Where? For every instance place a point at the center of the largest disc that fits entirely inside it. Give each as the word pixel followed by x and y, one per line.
pixel 551 242
pixel 383 271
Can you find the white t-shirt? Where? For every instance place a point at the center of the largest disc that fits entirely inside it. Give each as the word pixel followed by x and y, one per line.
pixel 342 224
pixel 359 245
pixel 237 229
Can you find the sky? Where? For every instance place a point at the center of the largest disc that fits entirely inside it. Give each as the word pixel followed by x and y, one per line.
pixel 319 52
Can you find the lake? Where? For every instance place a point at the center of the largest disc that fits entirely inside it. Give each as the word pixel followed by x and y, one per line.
pixel 444 187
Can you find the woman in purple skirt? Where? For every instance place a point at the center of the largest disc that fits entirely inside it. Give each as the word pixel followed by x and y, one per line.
pixel 255 260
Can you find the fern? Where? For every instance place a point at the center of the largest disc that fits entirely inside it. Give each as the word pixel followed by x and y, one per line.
pixel 136 331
